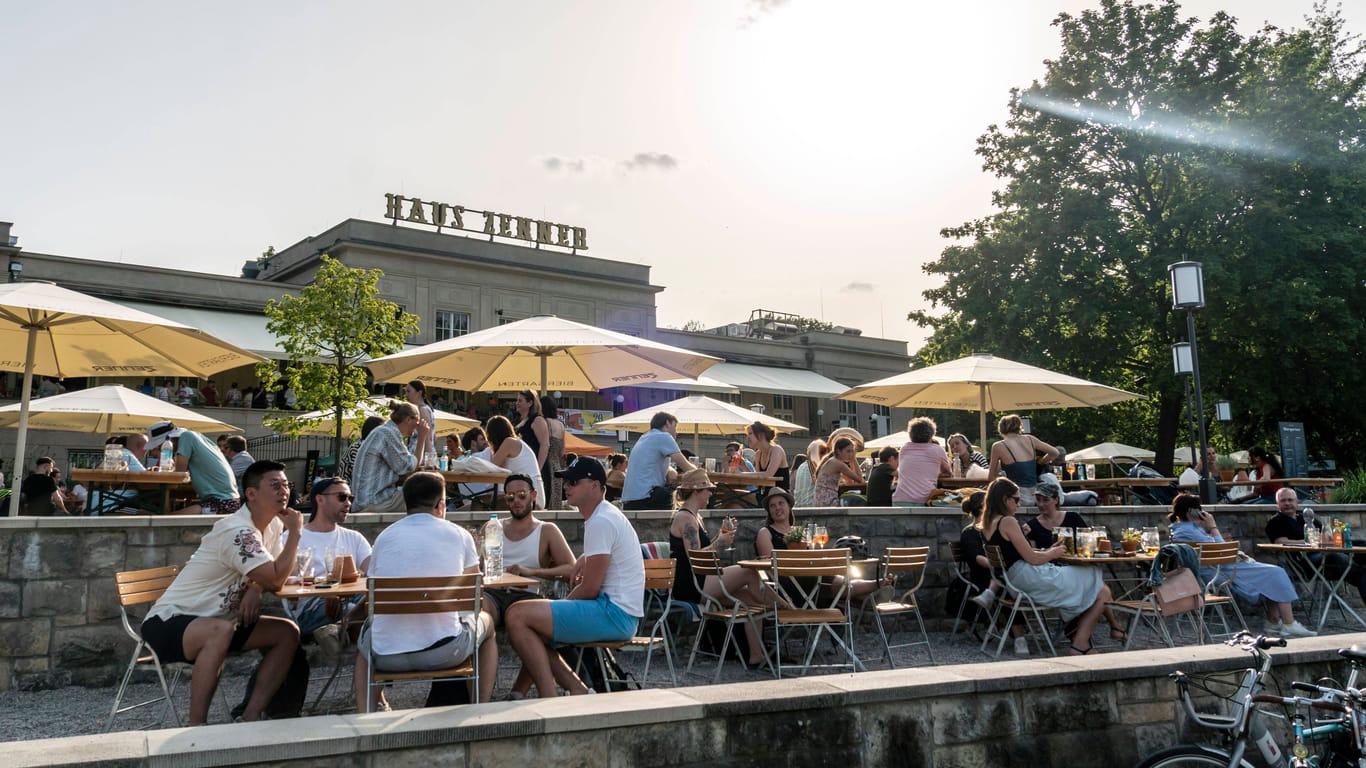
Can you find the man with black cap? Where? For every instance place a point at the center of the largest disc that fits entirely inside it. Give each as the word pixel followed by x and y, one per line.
pixel 210 473
pixel 607 587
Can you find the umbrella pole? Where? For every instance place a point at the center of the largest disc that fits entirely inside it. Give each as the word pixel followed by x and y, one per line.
pixel 696 440
pixel 21 445
pixel 544 358
pixel 982 413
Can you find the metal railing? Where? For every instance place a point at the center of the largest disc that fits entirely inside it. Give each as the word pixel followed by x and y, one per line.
pixel 282 448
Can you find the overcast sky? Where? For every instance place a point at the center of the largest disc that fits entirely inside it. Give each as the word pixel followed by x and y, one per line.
pixel 794 155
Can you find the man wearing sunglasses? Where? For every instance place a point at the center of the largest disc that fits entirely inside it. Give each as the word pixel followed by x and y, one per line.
pixel 607 587
pixel 531 547
pixel 331 498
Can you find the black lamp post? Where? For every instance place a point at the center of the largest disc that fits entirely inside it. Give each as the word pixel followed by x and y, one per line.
pixel 1183 367
pixel 1188 293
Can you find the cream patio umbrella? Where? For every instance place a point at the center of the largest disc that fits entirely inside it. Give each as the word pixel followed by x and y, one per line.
pixel 541 353
pixel 106 410
pixel 1106 451
pixel 379 405
pixel 66 333
pixel 699 415
pixel 985 383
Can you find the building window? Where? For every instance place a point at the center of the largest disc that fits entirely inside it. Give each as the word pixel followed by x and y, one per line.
pixel 782 403
pixel 505 319
pixel 882 410
pixel 848 413
pixel 451 324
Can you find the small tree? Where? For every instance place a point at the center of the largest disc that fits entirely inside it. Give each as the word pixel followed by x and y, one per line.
pixel 335 323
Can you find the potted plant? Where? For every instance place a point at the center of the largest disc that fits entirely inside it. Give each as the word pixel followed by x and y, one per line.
pixel 1227 467
pixel 795 539
pixel 1132 538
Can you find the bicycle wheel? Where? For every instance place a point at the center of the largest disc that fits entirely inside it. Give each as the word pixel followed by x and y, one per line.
pixel 1190 756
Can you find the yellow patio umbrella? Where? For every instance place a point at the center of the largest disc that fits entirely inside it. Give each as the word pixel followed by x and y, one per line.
pixel 699 415
pixel 107 410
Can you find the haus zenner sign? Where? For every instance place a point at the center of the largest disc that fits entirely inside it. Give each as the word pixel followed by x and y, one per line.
pixel 412 209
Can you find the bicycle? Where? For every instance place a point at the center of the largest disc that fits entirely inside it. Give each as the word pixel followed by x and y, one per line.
pixel 1245 738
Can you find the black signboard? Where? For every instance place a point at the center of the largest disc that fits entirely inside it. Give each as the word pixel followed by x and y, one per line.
pixel 1294 456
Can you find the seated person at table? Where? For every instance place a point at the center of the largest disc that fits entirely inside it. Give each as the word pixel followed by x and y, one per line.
pixel 882 478
pixel 1267 469
pixel 324 531
pixel 39 491
pixel 424 543
pixel 688 531
pixel 1016 456
pixel 210 473
pixel 963 458
pixel 1078 592
pixel 515 454
pixel 214 605
pixel 1252 581
pixel 531 547
pixel 235 451
pixel 647 474
pixel 1287 527
pixel 384 458
pixel 475 444
pixel 348 463
pixel 841 463
pixel 781 518
pixel 923 462
pixel 607 596
pixel 974 548
pixel 735 463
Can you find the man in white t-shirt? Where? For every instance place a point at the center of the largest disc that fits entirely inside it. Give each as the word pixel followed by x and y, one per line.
pixel 323 533
pixel 607 594
pixel 425 544
pixel 214 605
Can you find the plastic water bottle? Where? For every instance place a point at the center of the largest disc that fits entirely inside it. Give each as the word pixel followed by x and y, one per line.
pixel 167 461
pixel 444 463
pixel 493 548
pixel 1346 534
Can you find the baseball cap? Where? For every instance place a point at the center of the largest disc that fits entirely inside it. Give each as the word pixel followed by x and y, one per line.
pixel 160 432
pixel 320 487
pixel 1048 486
pixel 584 468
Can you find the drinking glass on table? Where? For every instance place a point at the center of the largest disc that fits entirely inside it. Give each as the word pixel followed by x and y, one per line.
pixel 1151 541
pixel 730 525
pixel 304 559
pixel 822 536
pixel 326 566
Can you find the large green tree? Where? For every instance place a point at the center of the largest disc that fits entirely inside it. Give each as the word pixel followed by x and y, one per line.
pixel 328 330
pixel 1154 138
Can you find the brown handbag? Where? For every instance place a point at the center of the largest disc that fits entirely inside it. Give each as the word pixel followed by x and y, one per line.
pixel 1179 592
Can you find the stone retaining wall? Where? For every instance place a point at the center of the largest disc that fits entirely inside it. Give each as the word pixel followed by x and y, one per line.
pixel 1081 712
pixel 59 611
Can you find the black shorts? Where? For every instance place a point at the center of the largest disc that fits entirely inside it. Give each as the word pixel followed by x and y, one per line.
pixel 167 636
pixel 506 598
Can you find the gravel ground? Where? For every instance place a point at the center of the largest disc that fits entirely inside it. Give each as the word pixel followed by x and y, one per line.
pixel 77 711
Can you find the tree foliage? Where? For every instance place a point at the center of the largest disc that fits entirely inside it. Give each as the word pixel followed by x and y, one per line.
pixel 328 330
pixel 1154 138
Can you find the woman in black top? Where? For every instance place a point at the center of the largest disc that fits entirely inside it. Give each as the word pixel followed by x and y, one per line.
pixel 770 460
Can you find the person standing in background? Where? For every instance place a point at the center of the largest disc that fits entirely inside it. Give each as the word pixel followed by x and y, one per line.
pixel 533 430
pixel 416 393
pixel 554 459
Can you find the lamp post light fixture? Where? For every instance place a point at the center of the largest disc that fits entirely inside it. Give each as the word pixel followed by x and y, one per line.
pixel 1182 366
pixel 1223 412
pixel 1188 293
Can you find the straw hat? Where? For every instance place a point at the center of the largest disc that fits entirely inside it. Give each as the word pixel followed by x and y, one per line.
pixel 776 492
pixel 695 480
pixel 849 432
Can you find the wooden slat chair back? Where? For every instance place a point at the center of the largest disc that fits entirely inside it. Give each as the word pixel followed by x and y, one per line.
pixel 1222 556
pixel 141 588
pixel 906 567
pixel 729 610
pixel 659 576
pixel 820 578
pixel 970 590
pixel 410 595
pixel 1019 604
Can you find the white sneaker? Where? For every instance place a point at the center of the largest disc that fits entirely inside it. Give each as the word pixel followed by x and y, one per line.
pixel 984 600
pixel 1296 629
pixel 1273 627
pixel 1021 646
pixel 328 638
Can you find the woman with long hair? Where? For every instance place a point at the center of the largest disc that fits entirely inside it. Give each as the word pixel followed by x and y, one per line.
pixel 532 427
pixel 1016 456
pixel 770 460
pixel 687 531
pixel 961 455
pixel 616 475
pixel 554 459
pixel 1266 467
pixel 1078 592
pixel 511 453
pixel 840 462
pixel 416 393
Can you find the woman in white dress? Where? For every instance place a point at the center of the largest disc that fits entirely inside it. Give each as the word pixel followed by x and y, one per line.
pixel 512 454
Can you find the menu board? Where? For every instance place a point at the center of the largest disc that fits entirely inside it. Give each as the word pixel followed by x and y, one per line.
pixel 1294 456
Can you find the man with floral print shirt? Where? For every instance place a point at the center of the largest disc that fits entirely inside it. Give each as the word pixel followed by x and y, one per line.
pixel 214 605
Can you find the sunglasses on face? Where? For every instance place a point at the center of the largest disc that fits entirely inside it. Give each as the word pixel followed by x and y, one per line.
pixel 516 495
pixel 341 496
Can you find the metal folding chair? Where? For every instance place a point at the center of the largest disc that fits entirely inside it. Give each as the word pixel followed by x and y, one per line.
pixel 970 590
pixel 906 565
pixel 820 578
pixel 1222 557
pixel 729 610
pixel 659 579
pixel 1019 604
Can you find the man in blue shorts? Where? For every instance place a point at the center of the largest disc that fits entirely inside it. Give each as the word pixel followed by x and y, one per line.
pixel 607 594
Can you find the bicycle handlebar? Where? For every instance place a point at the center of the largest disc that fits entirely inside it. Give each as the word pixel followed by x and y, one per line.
pixel 1299 701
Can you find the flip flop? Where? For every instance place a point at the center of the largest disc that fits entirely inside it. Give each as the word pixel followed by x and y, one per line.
pixel 1079 652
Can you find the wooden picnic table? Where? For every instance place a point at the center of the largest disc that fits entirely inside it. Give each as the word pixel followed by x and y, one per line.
pixel 496 478
pixel 361 586
pixel 163 481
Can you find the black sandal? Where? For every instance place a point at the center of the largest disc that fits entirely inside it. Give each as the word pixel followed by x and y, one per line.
pixel 1079 652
